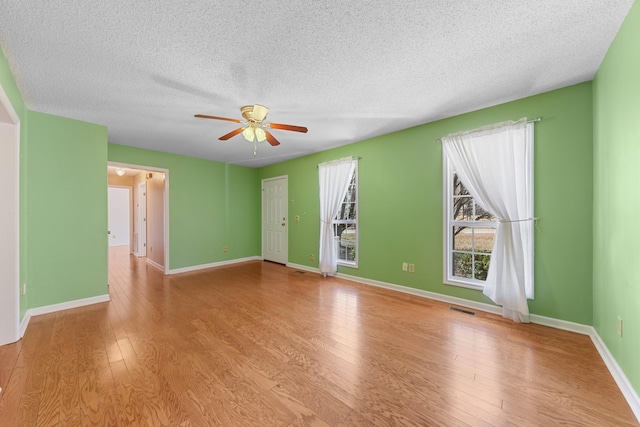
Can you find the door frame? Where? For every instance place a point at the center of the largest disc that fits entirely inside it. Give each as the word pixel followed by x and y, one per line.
pixel 14 292
pixel 141 244
pixel 165 204
pixel 262 228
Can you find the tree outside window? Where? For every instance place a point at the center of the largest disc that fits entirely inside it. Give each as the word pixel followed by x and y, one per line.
pixel 345 225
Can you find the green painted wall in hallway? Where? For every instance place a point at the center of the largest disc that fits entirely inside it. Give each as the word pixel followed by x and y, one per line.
pixel 400 200
pixel 212 205
pixel 616 252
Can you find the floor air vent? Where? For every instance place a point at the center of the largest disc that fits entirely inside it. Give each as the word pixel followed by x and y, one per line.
pixel 461 310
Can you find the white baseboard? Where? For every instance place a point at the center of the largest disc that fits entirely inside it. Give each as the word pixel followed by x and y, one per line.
pixel 303 267
pixel 565 325
pixel 24 323
pixel 425 294
pixel 152 263
pixel 213 264
pixel 617 373
pixel 59 307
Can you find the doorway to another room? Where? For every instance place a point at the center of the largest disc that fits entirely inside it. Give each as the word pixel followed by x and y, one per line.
pixel 147 224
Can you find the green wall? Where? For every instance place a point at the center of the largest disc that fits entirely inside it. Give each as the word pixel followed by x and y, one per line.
pixel 63 202
pixel 400 216
pixel 211 205
pixel 616 253
pixel 66 213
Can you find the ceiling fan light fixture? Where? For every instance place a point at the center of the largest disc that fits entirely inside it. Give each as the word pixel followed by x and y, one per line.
pixel 260 135
pixel 249 134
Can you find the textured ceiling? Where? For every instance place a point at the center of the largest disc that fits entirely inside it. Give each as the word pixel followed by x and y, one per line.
pixel 348 70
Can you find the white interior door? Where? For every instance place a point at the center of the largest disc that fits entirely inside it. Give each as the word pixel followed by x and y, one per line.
pixel 119 216
pixel 141 210
pixel 9 221
pixel 275 219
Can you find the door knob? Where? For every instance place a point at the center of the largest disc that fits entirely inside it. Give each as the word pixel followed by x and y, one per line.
pixel 283 224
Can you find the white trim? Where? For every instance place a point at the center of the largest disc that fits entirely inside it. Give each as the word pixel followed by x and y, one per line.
pixel 303 267
pixel 213 264
pixel 351 264
pixel 59 307
pixel 167 252
pixel 131 216
pixel 6 104
pixel 616 371
pixel 24 324
pixel 140 218
pixel 481 306
pixel 155 264
pixel 565 325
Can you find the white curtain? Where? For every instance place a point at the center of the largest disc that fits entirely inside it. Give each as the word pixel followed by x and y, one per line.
pixel 334 182
pixel 494 163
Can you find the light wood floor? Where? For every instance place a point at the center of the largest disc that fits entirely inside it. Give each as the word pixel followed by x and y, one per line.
pixel 259 344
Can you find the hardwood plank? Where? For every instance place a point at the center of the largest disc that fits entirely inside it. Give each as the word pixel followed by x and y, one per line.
pixel 261 344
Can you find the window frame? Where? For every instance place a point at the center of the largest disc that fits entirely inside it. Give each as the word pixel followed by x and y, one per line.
pixel 448 224
pixel 335 221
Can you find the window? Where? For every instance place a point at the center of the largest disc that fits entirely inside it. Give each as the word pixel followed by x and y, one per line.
pixel 345 225
pixel 470 231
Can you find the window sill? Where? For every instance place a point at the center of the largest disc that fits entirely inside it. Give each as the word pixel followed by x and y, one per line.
pixel 461 284
pixel 348 264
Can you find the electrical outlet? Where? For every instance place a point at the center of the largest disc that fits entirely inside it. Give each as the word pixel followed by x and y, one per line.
pixel 23 289
pixel 225 249
pixel 619 326
pixel 312 257
pixel 404 266
pixel 412 268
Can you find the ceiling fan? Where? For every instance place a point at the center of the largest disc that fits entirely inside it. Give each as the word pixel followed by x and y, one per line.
pixel 252 128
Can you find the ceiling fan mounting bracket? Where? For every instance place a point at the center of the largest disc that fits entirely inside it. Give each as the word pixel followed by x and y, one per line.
pixel 254 113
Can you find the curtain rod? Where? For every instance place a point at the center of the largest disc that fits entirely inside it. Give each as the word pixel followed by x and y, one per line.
pixel 353 157
pixel 537 119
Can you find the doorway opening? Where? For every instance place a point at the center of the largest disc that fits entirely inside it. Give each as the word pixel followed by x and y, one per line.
pixel 148 213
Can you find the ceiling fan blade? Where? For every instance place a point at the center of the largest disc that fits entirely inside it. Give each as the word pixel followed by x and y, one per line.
pixel 231 134
pixel 259 112
pixel 288 127
pixel 271 139
pixel 202 116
